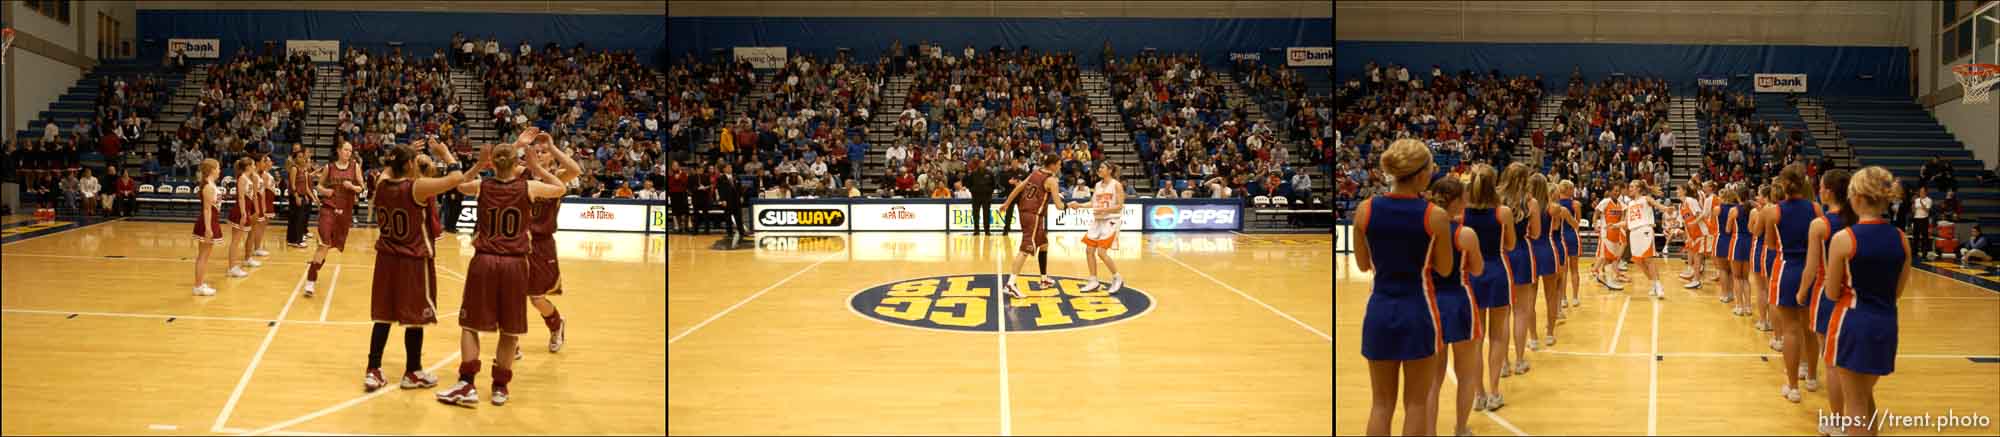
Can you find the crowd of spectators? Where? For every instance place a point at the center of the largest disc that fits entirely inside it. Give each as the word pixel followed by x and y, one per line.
pixel 1737 146
pixel 390 99
pixel 1304 119
pixel 1474 117
pixel 1185 128
pixel 251 104
pixel 804 138
pixel 971 110
pixel 604 105
pixel 1610 132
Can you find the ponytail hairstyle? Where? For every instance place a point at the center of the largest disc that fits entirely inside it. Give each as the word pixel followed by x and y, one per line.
pixel 1874 187
pixel 1731 194
pixel 1406 160
pixel 1514 189
pixel 1444 192
pixel 242 167
pixel 1792 182
pixel 1834 182
pixel 209 167
pixel 505 157
pixel 396 158
pixel 1538 187
pixel 1482 189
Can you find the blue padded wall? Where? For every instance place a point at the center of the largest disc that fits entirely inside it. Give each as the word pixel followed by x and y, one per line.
pixel 420 32
pixel 1830 71
pixel 1214 39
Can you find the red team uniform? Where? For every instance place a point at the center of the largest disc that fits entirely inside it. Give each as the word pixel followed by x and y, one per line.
pixel 337 215
pixel 544 276
pixel 240 216
pixel 496 284
pixel 405 286
pixel 1034 198
pixel 209 228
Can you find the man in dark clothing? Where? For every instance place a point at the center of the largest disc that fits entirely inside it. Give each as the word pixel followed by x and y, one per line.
pixel 729 197
pixel 980 182
pixel 1013 174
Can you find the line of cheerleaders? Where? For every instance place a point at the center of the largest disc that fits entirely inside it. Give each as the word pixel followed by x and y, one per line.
pixel 513 267
pixel 1454 261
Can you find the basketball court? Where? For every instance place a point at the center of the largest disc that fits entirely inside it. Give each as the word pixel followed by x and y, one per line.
pixel 102 337
pixel 1215 333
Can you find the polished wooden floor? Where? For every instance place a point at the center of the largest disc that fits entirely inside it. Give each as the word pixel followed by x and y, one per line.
pixel 764 343
pixel 103 337
pixel 1695 368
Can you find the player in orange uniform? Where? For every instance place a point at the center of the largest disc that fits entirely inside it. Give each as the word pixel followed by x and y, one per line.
pixel 1107 202
pixel 1611 234
pixel 1697 236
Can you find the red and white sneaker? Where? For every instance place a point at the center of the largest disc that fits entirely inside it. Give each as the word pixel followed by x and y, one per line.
pixel 419 379
pixel 556 337
pixel 461 394
pixel 499 396
pixel 372 380
pixel 1048 283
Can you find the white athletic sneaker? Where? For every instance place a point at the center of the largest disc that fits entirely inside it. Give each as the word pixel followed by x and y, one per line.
pixel 1790 393
pixel 1777 345
pixel 1802 371
pixel 1623 266
pixel 1727 299
pixel 1692 285
pixel 309 288
pixel 198 291
pixel 1552 340
pixel 1521 367
pixel 1614 285
pixel 1494 402
pixel 1534 345
pixel 418 379
pixel 261 252
pixel 1478 402
pixel 1812 384
pixel 253 262
pixel 237 272
pixel 1763 325
pixel 1117 283
pixel 1048 283
pixel 1687 274
pixel 1090 286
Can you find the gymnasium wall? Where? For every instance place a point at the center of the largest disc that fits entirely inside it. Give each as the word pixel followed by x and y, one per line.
pixel 49 56
pixel 1831 71
pixel 868 37
pixel 39 80
pixel 1976 125
pixel 419 32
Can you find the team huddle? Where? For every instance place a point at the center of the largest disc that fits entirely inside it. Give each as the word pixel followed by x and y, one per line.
pixel 1454 261
pixel 514 265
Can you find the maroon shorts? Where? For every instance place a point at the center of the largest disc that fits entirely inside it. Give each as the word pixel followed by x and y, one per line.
pixel 544 276
pixel 496 294
pixel 333 225
pixel 1034 233
pixel 405 290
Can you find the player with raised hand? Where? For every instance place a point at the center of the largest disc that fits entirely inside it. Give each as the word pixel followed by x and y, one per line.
pixel 497 280
pixel 544 276
pixel 405 282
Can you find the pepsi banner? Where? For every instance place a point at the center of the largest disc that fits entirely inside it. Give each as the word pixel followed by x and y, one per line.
pixel 1163 217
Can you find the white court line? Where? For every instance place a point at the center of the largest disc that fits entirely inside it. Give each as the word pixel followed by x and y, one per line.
pixel 65 231
pixel 1000 311
pixel 357 400
pixel 159 427
pixel 1653 387
pixel 1613 346
pixel 461 278
pixel 1315 331
pixel 331 283
pixel 222 417
pixel 178 316
pixel 738 304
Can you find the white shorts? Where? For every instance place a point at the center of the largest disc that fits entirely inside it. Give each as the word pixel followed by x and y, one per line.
pixel 1103 234
pixel 1642 243
pixel 1609 250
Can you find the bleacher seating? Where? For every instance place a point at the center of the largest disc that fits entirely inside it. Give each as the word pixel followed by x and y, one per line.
pixel 1901 136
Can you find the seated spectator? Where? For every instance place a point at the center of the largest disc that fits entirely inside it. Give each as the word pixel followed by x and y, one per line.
pixel 128 192
pixel 624 191
pixel 959 191
pixel 938 191
pixel 1978 248
pixel 88 186
pixel 1167 191
pixel 648 193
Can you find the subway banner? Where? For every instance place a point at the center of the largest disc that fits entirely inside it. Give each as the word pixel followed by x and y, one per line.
pixel 893 217
pixel 762 57
pixel 320 50
pixel 799 217
pixel 196 48
pixel 1164 217
pixel 1781 83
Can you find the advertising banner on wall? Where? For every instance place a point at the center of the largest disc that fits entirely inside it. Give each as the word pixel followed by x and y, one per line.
pixel 656 218
pixel 1781 83
pixel 1309 56
pixel 1243 56
pixel 196 48
pixel 799 217
pixel 891 217
pixel 1080 219
pixel 762 57
pixel 963 219
pixel 320 50
pixel 601 217
pixel 1191 217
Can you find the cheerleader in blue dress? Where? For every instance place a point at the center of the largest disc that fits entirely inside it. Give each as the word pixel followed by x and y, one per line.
pixel 1401 238
pixel 1868 267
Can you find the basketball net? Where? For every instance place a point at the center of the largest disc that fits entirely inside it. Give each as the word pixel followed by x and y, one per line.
pixel 1978 81
pixel 6 42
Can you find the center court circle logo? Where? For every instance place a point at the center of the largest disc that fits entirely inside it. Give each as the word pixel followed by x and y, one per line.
pixel 965 303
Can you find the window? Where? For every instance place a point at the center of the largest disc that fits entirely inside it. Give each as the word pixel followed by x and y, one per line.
pixel 1964 42
pixel 54 9
pixel 1948 46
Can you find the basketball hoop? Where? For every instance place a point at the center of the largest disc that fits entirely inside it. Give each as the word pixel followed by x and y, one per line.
pixel 1978 80
pixel 6 42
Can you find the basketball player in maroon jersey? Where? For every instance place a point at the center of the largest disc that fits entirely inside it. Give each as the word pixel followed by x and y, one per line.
pixel 338 188
pixel 544 276
pixel 207 231
pixel 496 284
pixel 405 276
pixel 1034 194
pixel 242 218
